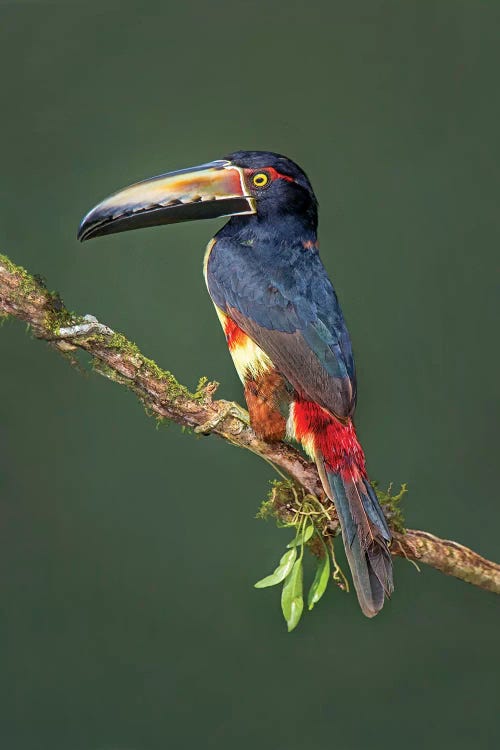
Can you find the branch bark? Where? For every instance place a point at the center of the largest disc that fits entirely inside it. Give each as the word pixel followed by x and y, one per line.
pixel 26 297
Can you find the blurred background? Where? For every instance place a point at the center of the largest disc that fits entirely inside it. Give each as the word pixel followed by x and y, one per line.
pixel 128 620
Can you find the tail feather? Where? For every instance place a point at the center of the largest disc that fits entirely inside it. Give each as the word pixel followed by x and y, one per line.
pixel 366 537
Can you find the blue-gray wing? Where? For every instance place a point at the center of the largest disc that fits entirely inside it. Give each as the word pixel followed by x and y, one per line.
pixel 289 308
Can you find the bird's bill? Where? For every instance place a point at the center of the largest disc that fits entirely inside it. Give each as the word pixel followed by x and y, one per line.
pixel 205 192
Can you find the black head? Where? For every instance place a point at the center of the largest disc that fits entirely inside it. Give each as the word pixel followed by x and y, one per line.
pixel 279 186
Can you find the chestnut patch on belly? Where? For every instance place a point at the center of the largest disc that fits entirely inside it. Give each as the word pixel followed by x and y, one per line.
pixel 263 395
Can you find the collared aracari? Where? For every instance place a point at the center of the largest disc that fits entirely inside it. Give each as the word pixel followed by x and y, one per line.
pixel 283 325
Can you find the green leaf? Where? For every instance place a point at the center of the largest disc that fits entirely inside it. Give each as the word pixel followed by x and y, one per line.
pixel 302 538
pixel 281 572
pixel 320 582
pixel 292 602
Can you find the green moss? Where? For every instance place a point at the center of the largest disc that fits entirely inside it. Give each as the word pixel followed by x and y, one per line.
pixel 119 342
pixel 280 498
pixel 200 388
pixel 161 421
pixel 56 318
pixel 57 315
pixel 201 391
pixel 201 384
pixel 28 285
pixel 287 503
pixel 9 265
pixel 392 504
pixel 103 369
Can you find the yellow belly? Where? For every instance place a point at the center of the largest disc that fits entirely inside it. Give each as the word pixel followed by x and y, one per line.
pixel 249 359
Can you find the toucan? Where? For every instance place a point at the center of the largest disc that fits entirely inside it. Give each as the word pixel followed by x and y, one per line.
pixel 283 325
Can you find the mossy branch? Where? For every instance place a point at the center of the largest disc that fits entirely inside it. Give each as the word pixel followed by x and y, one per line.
pixel 26 297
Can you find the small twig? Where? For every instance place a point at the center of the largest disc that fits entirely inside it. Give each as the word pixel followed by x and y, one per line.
pixel 25 297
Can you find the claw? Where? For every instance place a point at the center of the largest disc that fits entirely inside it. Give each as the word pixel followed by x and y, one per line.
pixel 227 410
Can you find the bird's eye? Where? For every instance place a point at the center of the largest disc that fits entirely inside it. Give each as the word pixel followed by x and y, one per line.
pixel 260 179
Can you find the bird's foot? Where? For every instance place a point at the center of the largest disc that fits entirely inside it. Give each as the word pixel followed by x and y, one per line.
pixel 227 409
pixel 89 327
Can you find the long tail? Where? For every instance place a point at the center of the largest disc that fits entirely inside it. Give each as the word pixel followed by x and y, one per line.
pixel 341 465
pixel 365 534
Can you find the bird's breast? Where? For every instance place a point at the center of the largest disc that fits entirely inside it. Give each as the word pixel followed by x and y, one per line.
pixel 249 359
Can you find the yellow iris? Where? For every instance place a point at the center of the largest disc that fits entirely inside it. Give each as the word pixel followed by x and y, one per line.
pixel 260 179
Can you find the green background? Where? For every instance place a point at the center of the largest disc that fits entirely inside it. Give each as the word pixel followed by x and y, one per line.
pixel 128 620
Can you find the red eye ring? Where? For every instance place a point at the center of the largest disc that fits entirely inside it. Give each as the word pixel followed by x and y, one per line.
pixel 275 175
pixel 262 178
